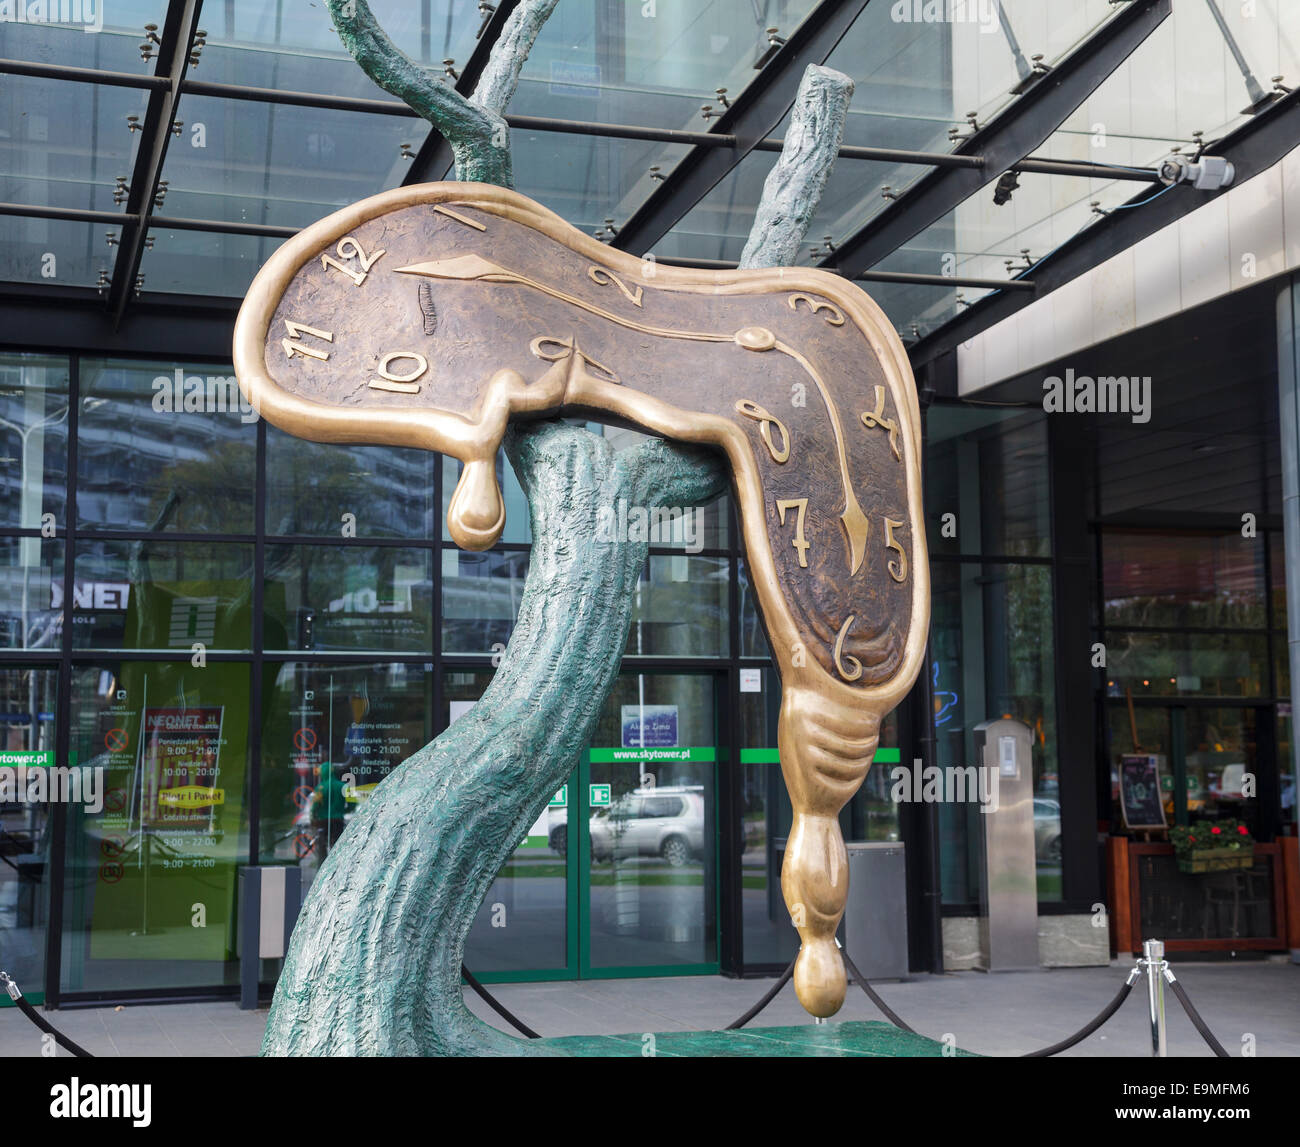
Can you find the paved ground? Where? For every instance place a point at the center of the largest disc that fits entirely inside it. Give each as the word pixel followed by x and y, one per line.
pixel 1004 1014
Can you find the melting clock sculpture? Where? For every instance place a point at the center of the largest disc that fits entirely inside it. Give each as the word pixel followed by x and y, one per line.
pixel 431 315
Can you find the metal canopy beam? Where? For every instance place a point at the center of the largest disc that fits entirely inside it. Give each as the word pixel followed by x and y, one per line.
pixel 177 42
pixel 1254 147
pixel 755 114
pixel 434 159
pixel 1003 143
pixel 79 75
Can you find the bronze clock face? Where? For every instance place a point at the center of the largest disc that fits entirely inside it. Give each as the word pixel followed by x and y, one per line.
pixel 431 315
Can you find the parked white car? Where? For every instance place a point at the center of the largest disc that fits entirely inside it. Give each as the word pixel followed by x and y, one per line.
pixel 667 822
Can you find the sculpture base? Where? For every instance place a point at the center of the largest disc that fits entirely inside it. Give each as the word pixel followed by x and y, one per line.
pixel 854 1038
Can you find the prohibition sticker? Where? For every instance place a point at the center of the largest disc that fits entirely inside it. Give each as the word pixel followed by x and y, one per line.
pixel 110 872
pixel 116 740
pixel 115 800
pixel 301 795
pixel 305 739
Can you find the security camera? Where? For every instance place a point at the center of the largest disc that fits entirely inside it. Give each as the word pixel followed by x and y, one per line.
pixel 1209 173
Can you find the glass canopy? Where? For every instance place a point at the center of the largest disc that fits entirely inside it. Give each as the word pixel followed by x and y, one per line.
pixel 275 126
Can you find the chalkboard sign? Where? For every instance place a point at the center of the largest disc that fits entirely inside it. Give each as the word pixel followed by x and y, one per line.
pixel 1139 791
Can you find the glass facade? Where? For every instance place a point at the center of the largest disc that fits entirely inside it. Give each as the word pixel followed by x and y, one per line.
pixel 992 616
pixel 1196 669
pixel 251 617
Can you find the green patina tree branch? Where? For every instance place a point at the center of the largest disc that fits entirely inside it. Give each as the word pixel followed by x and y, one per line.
pixel 374 964
pixel 793 188
pixel 475 127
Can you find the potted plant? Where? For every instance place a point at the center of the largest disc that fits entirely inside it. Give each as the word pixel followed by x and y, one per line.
pixel 1212 846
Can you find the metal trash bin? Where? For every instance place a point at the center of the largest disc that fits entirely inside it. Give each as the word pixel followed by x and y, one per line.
pixel 875 917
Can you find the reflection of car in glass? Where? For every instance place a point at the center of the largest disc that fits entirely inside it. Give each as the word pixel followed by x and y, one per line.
pixel 667 822
pixel 1228 785
pixel 557 830
pixel 1047 830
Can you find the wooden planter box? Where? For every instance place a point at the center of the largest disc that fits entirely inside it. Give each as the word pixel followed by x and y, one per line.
pixel 1216 859
pixel 1123 869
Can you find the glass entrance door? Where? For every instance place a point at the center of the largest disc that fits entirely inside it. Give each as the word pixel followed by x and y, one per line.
pixel 27 708
pixel 647 857
pixel 619 876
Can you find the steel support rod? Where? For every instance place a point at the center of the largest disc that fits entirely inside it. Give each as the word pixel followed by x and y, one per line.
pixel 68 214
pixel 1153 962
pixel 396 108
pixel 80 75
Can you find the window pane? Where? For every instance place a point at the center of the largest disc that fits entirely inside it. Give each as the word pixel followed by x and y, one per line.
pixel 991 641
pixel 522 923
pixel 349 597
pixel 986 482
pixel 160 595
pixel 113 46
pixel 164 849
pixel 296 48
pixel 1203 580
pixel 648 64
pixel 356 722
pixel 1186 664
pixel 480 599
pixel 31 591
pixel 33 440
pixel 652 879
pixel 64 145
pixel 27 704
pixel 282 165
pixel 164 447
pixel 1220 765
pixel 205 262
pixel 680 608
pixel 311 487
pixel 753 640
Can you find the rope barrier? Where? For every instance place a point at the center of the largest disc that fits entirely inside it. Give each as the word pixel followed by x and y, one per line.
pixel 496 1006
pixel 1084 1032
pixel 1195 1016
pixel 772 993
pixel 861 980
pixel 855 976
pixel 15 994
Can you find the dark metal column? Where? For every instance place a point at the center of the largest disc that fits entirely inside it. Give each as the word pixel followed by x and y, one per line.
pixel 1070 454
pixel 177 42
pixel 1288 375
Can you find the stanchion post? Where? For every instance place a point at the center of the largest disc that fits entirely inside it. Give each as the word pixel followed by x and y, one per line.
pixel 1153 962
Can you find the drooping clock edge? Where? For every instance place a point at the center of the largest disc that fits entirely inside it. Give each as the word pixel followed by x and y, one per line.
pixel 476 520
